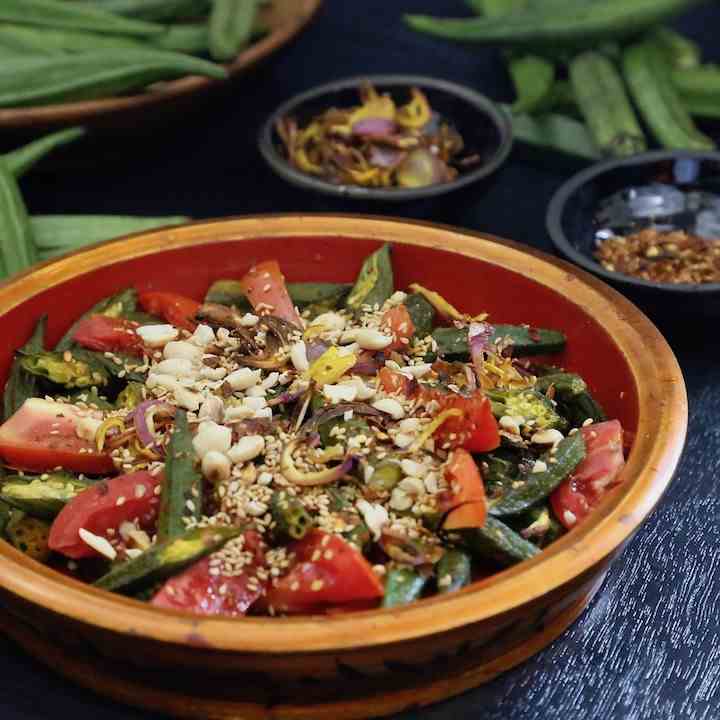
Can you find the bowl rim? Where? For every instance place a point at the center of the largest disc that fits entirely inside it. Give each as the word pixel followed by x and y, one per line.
pixel 559 201
pixel 479 102
pixel 662 426
pixel 84 111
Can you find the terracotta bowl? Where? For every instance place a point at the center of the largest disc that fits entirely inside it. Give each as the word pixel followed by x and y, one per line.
pixel 377 662
pixel 284 18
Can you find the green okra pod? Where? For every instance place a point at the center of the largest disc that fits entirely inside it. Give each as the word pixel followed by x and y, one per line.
pixel 605 105
pixel 56 234
pixel 680 51
pixel 41 497
pixel 16 241
pixel 292 520
pixel 73 16
pixel 566 385
pixel 559 23
pixel 231 24
pixel 63 368
pixel 101 73
pixel 659 101
pixel 154 9
pixel 403 585
pixel 533 77
pixel 20 385
pixel 520 340
pixel 422 313
pixel 24 159
pixel 554 131
pixel 497 542
pixel 454 571
pixel 181 498
pixel 536 486
pixel 375 283
pixel 165 559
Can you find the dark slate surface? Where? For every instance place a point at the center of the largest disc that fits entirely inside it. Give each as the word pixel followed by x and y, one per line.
pixel 649 645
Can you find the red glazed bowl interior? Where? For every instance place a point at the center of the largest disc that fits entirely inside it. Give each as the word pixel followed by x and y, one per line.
pixel 626 362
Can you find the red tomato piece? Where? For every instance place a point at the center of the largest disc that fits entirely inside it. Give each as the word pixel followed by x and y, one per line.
pixel 43 435
pixel 108 334
pixel 327 572
pixel 469 515
pixel 264 286
pixel 398 321
pixel 476 430
pixel 106 506
pixel 178 310
pixel 465 487
pixel 198 591
pixel 575 497
pixel 395 383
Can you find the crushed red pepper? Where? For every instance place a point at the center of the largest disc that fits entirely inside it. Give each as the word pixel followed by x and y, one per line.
pixel 377 143
pixel 665 257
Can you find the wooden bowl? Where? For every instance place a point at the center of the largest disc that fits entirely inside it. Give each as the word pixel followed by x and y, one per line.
pixel 377 662
pixel 284 18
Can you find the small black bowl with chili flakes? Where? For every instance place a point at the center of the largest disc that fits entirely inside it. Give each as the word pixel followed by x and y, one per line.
pixel 390 138
pixel 650 226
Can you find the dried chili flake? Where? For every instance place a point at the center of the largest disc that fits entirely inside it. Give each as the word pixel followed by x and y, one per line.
pixel 665 257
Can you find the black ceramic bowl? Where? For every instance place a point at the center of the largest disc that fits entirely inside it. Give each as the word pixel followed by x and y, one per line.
pixel 484 126
pixel 589 204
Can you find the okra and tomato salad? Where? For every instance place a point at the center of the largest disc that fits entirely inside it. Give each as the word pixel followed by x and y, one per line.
pixel 296 448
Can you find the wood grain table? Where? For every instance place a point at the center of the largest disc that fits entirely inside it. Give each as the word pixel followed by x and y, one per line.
pixel 648 648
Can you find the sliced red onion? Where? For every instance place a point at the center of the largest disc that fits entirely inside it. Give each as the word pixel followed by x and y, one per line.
pixel 479 339
pixel 336 411
pixel 374 127
pixel 139 416
pixel 367 364
pixel 289 396
pixel 522 368
pixel 315 349
pixel 385 157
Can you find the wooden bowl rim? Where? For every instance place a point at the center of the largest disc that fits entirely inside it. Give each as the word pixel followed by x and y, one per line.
pixel 82 111
pixel 661 432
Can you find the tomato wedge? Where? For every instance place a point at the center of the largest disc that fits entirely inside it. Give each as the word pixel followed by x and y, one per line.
pixel 327 572
pixel 178 310
pixel 398 321
pixel 394 383
pixel 465 496
pixel 264 286
pixel 105 506
pixel 108 334
pixel 199 591
pixel 575 497
pixel 476 430
pixel 43 435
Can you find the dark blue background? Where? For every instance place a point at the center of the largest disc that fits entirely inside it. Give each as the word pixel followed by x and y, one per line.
pixel 649 645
